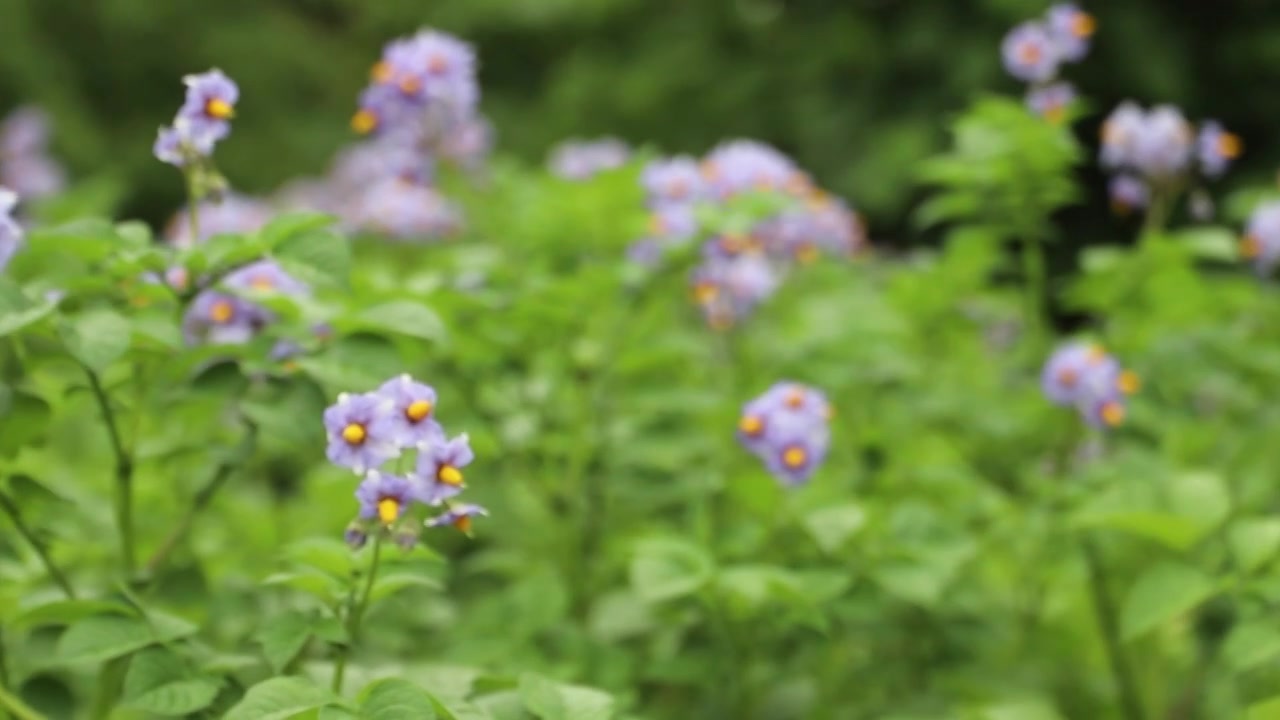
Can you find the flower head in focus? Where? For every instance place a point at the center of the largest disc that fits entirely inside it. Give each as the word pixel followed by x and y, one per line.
pixel 201 122
pixel 413 406
pixel 440 468
pixel 361 432
pixel 458 516
pixel 383 497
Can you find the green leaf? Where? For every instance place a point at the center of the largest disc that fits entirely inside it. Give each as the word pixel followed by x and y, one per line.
pixel 17 311
pixel 403 317
pixel 1211 243
pixel 1160 594
pixel 1251 644
pixel 24 420
pixel 97 338
pixel 389 584
pixel 283 637
pixel 582 703
pixel 280 698
pixel 1265 710
pixel 103 637
pixel 318 258
pixel 325 554
pixel 178 698
pixel 665 569
pixel 291 225
pixel 149 669
pixel 541 697
pixel 312 582
pixel 1254 541
pixel 1174 531
pixel 831 527
pixel 395 699
pixel 66 612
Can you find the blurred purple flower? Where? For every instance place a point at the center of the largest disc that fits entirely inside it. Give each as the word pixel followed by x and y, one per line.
pixel 1128 194
pixel 1052 101
pixel 1217 148
pixel 582 159
pixel 1261 243
pixel 459 516
pixel 405 211
pixel 1071 29
pixel 787 428
pixel 1030 53
pixel 232 214
pixel 739 166
pixel 676 180
pixel 10 232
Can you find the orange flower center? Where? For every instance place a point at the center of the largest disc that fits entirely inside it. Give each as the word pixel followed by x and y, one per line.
pixel 1067 378
pixel 794 457
pixel 418 410
pixel 807 253
pixel 218 108
pixel 222 312
pixel 381 71
pixel 1112 414
pixel 449 475
pixel 463 523
pixel 751 425
pixel 1250 247
pixel 388 510
pixel 1128 382
pixel 364 122
pixel 354 434
pixel 1083 25
pixel 1029 53
pixel 795 399
pixel 1229 146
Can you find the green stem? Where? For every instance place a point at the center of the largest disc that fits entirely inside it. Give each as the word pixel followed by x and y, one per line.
pixel 201 500
pixel 11 509
pixel 123 472
pixel 17 708
pixel 1105 608
pixel 356 615
pixel 193 213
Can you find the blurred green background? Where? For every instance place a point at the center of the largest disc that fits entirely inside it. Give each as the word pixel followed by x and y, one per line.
pixel 857 90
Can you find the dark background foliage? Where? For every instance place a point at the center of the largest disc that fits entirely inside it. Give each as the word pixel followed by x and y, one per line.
pixel 857 90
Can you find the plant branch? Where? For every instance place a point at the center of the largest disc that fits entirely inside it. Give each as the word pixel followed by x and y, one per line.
pixel 123 471
pixel 356 614
pixel 11 509
pixel 202 499
pixel 1105 608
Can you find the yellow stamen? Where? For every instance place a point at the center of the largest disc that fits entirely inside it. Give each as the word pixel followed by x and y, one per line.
pixel 1128 382
pixel 794 457
pixel 705 292
pixel 354 434
pixel 1112 414
pixel 1096 354
pixel 1250 247
pixel 732 244
pixel 449 475
pixel 261 282
pixel 1029 53
pixel 806 254
pixel 1067 378
pixel 437 64
pixel 709 170
pixel 381 71
pixel 1056 114
pixel 388 510
pixel 751 425
pixel 1230 146
pixel 1084 25
pixel 795 399
pixel 220 109
pixel 418 410
pixel 364 122
pixel 410 85
pixel 222 312
pixel 463 523
pixel 679 188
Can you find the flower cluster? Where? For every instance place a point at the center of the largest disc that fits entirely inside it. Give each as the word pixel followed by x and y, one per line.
pixel 740 270
pixel 1035 51
pixel 576 159
pixel 1082 375
pixel 1158 151
pixel 223 315
pixel 25 165
pixel 230 214
pixel 397 422
pixel 1261 242
pixel 420 108
pixel 10 232
pixel 203 120
pixel 787 428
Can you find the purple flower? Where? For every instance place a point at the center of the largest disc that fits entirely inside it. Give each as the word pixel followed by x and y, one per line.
pixel 220 319
pixel 739 166
pixel 582 159
pixel 787 428
pixel 32 176
pixel 728 289
pixel 1261 242
pixel 10 232
pixel 1164 147
pixel 1216 148
pixel 458 516
pixel 1030 53
pixel 674 180
pixel 1071 28
pixel 427 80
pixel 210 104
pixel 468 143
pixel 440 468
pixel 24 132
pixel 1120 133
pixel 264 276
pixel 1068 367
pixel 1128 193
pixel 383 497
pixel 413 406
pixel 1051 102
pixel 405 211
pixel 361 432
